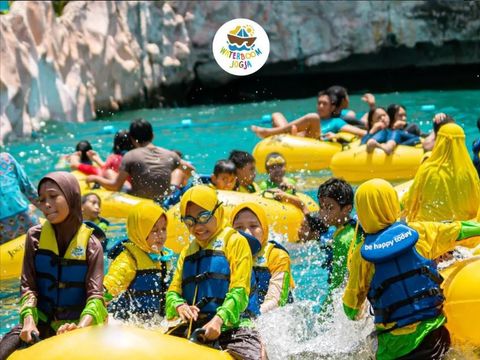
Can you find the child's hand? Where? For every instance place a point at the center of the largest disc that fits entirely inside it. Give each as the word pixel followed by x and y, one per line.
pixel 278 194
pixel 188 312
pixel 438 118
pixel 28 328
pixel 369 99
pixel 213 328
pixel 285 186
pixel 66 328
pixel 399 124
pixel 329 136
pixel 377 127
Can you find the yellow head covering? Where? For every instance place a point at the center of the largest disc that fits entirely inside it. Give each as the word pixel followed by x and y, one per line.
pixel 259 213
pixel 377 205
pixel 203 196
pixel 446 186
pixel 140 222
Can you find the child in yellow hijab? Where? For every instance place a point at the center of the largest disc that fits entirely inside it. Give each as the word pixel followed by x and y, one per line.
pixel 138 275
pixel 391 268
pixel 271 265
pixel 446 186
pixel 211 284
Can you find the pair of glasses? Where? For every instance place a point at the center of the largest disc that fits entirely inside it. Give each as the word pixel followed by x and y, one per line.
pixel 202 218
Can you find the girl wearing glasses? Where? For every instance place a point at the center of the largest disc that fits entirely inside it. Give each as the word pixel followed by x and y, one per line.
pixel 211 284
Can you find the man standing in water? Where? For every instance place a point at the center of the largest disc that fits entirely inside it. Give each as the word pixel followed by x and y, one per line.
pixel 149 167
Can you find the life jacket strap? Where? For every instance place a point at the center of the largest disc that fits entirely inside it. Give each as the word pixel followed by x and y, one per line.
pixel 424 270
pixel 385 313
pixel 205 300
pixel 203 253
pixel 203 276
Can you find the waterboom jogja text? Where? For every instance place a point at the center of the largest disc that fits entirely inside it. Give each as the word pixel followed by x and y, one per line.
pixel 240 59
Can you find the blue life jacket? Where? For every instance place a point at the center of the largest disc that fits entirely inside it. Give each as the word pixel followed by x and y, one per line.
pixel 206 275
pixel 61 279
pixel 147 291
pixel 260 280
pixel 406 286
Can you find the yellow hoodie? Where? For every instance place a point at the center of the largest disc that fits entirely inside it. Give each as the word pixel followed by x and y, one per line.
pixel 378 207
pixel 277 261
pixel 446 186
pixel 237 252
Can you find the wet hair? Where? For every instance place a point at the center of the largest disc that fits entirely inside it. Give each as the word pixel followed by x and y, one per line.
pixel 141 131
pixel 333 101
pixel 392 110
pixel 447 120
pixel 337 94
pixel 241 158
pixel 224 167
pixel 179 153
pixel 370 116
pixel 122 142
pixel 338 190
pixel 84 146
pixel 272 156
pixel 85 198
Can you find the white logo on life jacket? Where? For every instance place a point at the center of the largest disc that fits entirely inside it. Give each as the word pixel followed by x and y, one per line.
pixel 402 236
pixel 217 244
pixel 78 251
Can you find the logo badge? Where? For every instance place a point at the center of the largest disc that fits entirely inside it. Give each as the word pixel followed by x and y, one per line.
pixel 78 251
pixel 217 244
pixel 241 47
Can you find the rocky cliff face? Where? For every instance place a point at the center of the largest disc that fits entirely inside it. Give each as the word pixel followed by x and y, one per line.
pixel 107 55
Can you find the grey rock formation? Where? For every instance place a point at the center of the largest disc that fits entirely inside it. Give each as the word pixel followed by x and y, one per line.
pixel 104 55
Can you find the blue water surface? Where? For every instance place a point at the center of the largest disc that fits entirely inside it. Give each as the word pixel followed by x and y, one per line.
pixel 205 134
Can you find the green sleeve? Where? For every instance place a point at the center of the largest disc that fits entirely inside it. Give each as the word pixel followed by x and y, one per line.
pixel 236 301
pixel 95 308
pixel 285 289
pixel 351 313
pixel 173 301
pixel 27 310
pixel 263 185
pixel 468 229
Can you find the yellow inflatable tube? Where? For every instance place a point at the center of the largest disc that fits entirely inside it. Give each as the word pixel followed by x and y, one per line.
pixel 462 304
pixel 119 343
pixel 356 165
pixel 300 153
pixel 11 258
pixel 114 204
pixel 282 218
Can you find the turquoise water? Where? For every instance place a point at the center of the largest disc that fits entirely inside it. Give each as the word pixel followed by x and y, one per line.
pixel 212 133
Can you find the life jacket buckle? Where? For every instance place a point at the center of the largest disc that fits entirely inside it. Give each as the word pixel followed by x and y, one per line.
pixel 62 285
pixel 434 292
pixel 201 277
pixel 424 270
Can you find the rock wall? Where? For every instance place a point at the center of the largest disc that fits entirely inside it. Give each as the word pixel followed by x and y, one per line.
pixel 97 55
pixel 107 55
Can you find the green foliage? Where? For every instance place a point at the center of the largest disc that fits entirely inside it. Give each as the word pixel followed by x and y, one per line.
pixel 58 6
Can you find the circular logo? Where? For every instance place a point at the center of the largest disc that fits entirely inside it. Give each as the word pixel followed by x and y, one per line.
pixel 241 47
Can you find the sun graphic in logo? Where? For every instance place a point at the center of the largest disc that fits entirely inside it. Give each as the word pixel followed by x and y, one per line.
pixel 241 35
